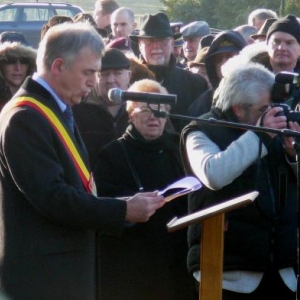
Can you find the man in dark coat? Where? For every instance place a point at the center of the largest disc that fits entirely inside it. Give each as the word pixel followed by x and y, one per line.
pixel 49 209
pixel 156 44
pixel 100 120
pixel 145 158
pixel 282 52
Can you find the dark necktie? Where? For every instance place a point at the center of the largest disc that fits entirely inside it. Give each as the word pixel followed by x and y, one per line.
pixel 68 113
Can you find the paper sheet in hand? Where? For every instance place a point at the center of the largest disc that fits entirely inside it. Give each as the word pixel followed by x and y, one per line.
pixel 181 187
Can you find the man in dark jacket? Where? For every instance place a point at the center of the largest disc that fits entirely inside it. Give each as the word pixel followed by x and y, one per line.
pixel 282 52
pixel 260 240
pixel 156 44
pixel 49 209
pixel 224 46
pixel 100 120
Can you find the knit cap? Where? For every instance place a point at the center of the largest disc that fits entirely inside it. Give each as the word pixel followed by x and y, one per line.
pixel 288 24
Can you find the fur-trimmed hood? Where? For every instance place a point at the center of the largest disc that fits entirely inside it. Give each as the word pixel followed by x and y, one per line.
pixel 257 53
pixel 17 50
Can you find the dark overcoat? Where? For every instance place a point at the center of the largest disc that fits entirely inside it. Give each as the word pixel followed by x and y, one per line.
pixel 47 219
pixel 146 262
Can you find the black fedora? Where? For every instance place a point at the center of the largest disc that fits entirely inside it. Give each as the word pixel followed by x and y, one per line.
pixel 153 26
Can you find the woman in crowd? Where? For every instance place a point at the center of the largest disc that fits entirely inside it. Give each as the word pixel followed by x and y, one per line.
pixel 17 61
pixel 146 262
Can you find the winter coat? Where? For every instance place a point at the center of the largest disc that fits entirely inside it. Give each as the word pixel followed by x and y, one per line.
pixel 183 83
pixel 203 103
pixel 146 253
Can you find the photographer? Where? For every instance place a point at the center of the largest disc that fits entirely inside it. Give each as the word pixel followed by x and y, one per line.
pixel 260 240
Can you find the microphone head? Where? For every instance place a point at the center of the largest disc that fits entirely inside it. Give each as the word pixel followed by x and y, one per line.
pixel 115 95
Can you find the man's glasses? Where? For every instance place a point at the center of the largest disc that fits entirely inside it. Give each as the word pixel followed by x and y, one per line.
pixel 12 61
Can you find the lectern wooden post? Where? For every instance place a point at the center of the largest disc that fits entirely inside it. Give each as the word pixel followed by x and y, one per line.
pixel 211 259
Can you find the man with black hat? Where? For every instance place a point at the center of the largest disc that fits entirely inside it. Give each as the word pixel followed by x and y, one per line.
pixel 283 40
pixel 282 51
pixel 99 120
pixel 156 44
pixel 283 46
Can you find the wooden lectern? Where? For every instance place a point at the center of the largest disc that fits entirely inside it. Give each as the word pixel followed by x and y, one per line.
pixel 212 243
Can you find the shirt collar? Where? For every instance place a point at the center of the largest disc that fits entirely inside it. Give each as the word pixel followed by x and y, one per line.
pixel 45 85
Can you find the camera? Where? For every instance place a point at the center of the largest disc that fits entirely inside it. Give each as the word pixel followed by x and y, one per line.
pixel 286 111
pixel 287 89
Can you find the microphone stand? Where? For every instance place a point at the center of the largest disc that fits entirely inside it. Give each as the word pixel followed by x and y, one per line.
pixel 285 132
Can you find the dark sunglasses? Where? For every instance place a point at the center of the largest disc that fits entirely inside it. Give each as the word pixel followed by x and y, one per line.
pixel 12 61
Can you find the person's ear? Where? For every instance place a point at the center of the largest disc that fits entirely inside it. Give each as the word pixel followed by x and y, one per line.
pixel 58 65
pixel 238 110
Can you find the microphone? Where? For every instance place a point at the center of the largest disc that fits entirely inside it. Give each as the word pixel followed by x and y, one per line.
pixel 117 96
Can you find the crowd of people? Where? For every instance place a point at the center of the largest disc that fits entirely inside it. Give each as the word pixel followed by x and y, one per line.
pixel 81 215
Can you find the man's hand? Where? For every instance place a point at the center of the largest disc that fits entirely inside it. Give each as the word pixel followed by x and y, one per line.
pixel 270 120
pixel 142 206
pixel 289 141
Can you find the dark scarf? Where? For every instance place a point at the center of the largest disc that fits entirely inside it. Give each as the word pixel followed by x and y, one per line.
pixel 166 142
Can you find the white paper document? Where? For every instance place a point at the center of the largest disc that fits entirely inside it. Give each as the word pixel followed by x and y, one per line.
pixel 181 187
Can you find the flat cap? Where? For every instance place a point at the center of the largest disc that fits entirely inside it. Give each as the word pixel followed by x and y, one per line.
pixel 195 29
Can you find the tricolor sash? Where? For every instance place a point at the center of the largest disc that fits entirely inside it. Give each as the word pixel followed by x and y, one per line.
pixel 85 175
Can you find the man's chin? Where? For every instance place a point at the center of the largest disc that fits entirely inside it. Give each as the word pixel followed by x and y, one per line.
pixel 283 60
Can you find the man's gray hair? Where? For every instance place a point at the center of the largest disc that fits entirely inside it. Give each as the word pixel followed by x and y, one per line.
pixel 66 41
pixel 261 14
pixel 244 85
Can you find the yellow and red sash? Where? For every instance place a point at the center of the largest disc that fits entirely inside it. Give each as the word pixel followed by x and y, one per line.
pixel 81 168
